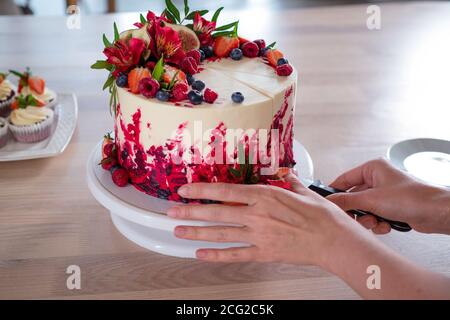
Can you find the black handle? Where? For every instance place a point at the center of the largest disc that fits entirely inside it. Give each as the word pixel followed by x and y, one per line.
pixel 324 191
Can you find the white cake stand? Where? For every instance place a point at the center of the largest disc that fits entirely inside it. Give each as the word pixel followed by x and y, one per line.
pixel 139 217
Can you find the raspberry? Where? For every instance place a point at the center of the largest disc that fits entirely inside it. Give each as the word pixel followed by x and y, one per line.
pixel 195 54
pixel 180 90
pixel 209 95
pixel 284 70
pixel 181 86
pixel 189 65
pixel 260 43
pixel 250 49
pixel 120 177
pixel 148 87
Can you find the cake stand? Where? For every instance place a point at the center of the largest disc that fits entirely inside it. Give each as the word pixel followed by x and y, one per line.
pixel 141 219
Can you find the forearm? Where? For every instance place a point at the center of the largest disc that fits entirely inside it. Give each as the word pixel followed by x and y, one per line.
pixel 440 212
pixel 354 251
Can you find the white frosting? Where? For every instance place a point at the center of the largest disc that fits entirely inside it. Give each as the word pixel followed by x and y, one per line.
pixel 46 96
pixel 29 115
pixel 5 89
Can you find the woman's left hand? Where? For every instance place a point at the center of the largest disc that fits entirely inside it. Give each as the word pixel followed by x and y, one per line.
pixel 298 227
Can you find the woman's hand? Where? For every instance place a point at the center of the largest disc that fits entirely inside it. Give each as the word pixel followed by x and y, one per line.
pixel 297 227
pixel 378 187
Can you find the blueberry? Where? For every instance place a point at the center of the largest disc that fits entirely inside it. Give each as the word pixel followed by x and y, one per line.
pixel 202 55
pixel 198 85
pixel 208 51
pixel 282 61
pixel 190 78
pixel 195 97
pixel 122 80
pixel 263 51
pixel 237 97
pixel 236 54
pixel 162 95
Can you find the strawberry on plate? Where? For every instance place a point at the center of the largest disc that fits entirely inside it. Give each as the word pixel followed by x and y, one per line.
pixel 224 44
pixel 136 75
pixel 36 84
pixel 273 55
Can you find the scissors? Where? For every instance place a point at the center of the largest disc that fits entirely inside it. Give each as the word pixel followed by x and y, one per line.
pixel 318 187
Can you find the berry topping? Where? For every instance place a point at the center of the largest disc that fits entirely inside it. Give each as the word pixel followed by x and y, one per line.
pixel 195 97
pixel 198 85
pixel 122 80
pixel 263 52
pixel 36 84
pixel 163 95
pixel 189 65
pixel 150 65
pixel 282 61
pixel 148 87
pixel 179 92
pixel 273 55
pixel 261 43
pixel 242 41
pixel 236 54
pixel 284 70
pixel 250 49
pixel 120 177
pixel 237 97
pixel 108 149
pixel 108 163
pixel 136 75
pixel 208 51
pixel 195 54
pixel 224 44
pixel 210 96
pixel 202 55
pixel 170 72
pixel 190 79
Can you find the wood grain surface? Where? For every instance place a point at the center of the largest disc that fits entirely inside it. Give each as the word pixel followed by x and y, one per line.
pixel 360 91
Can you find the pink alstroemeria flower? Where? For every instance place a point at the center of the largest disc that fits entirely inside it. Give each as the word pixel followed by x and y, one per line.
pixel 203 29
pixel 124 54
pixel 168 43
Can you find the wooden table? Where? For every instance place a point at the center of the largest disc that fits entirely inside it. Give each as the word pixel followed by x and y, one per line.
pixel 360 91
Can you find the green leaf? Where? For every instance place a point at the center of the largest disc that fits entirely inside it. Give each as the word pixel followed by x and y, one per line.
pixel 190 26
pixel 191 15
pixel 108 82
pixel 227 26
pixel 169 16
pixel 158 70
pixel 142 18
pixel 173 10
pixel 116 33
pixel 223 33
pixel 173 80
pixel 216 14
pixel 101 64
pixel 16 73
pixel 234 172
pixel 270 46
pixel 186 7
pixel 106 42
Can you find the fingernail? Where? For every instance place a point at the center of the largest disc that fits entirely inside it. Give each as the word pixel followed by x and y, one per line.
pixel 173 212
pixel 183 191
pixel 201 254
pixel 180 231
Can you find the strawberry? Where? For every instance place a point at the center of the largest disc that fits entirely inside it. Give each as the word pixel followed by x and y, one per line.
pixel 40 103
pixel 273 56
pixel 120 177
pixel 283 171
pixel 14 105
pixel 224 44
pixel 36 84
pixel 169 73
pixel 2 77
pixel 107 140
pixel 135 76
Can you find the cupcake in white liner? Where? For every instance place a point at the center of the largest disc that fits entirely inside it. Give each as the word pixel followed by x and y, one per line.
pixel 35 86
pixel 3 132
pixel 29 122
pixel 7 94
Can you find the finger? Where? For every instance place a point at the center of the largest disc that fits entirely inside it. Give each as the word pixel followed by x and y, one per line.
pixel 228 255
pixel 368 221
pixel 210 212
pixel 213 234
pixel 382 228
pixel 364 200
pixel 361 187
pixel 219 191
pixel 349 179
pixel 297 186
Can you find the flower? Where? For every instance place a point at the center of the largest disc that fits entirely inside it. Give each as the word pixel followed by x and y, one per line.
pixel 168 43
pixel 203 29
pixel 125 54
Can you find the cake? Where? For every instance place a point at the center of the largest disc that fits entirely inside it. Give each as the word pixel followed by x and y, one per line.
pixel 7 94
pixel 196 103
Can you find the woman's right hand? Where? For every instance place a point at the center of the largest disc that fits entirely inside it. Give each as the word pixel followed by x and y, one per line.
pixel 378 187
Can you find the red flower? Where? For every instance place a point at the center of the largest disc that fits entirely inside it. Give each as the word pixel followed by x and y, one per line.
pixel 203 28
pixel 168 43
pixel 125 54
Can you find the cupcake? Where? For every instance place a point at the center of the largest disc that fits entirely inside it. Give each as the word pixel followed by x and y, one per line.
pixel 6 95
pixel 30 121
pixel 35 86
pixel 3 132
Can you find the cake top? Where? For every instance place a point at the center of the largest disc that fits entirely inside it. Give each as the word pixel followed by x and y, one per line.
pixel 176 58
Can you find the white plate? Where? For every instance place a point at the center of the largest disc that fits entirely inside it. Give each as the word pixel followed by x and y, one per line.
pixel 66 113
pixel 137 215
pixel 426 159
